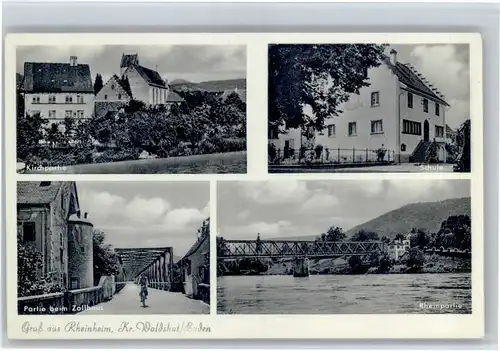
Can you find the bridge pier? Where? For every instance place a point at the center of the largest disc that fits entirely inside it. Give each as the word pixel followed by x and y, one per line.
pixel 300 267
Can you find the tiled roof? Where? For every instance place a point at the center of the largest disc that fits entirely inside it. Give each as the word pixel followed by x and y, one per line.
pixel 408 77
pixel 129 60
pixel 37 192
pixel 151 77
pixel 195 246
pixel 44 77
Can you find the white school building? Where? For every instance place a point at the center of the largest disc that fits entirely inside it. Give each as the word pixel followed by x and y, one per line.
pixel 400 111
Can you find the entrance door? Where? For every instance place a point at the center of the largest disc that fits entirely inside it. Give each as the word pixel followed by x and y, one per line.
pixel 286 149
pixel 426 130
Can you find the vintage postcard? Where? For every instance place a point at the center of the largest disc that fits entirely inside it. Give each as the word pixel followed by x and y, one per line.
pixel 244 185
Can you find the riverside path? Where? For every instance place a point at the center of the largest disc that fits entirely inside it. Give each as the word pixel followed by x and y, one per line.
pixel 127 301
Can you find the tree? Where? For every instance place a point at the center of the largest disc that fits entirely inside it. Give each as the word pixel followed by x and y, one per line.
pixel 463 143
pixel 399 237
pixel 384 263
pixel 204 230
pixel 29 134
pixel 54 135
pixel 30 281
pixel 125 85
pixel 419 238
pixel 415 260
pixel 455 232
pixel 69 128
pixel 105 258
pixel 319 76
pixel 356 265
pixel 98 84
pixel 221 246
pixel 364 235
pixel 335 234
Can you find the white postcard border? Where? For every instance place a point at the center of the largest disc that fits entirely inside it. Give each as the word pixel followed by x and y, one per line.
pixel 360 326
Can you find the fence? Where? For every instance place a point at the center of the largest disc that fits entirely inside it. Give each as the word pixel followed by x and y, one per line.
pixel 160 285
pixel 330 156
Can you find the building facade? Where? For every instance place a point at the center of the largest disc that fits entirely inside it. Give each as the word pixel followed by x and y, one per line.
pixel 57 90
pixel 49 220
pixel 397 248
pixel 135 82
pixel 195 268
pixel 146 85
pixel 112 97
pixel 399 112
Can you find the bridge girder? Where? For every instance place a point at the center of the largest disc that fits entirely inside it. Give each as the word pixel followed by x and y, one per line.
pixel 136 260
pixel 232 249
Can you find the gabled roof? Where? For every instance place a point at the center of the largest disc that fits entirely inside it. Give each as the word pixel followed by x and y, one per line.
pixel 150 76
pixel 37 192
pixel 195 247
pixel 407 76
pixel 45 77
pixel 129 60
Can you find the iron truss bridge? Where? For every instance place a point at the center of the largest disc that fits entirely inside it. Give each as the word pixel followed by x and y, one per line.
pixel 236 249
pixel 136 260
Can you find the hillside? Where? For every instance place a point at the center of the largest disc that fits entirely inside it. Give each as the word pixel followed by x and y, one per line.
pixel 213 85
pixel 180 82
pixel 425 215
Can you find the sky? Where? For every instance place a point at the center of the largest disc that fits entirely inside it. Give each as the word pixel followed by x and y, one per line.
pixel 293 208
pixel 195 63
pixel 146 214
pixel 446 67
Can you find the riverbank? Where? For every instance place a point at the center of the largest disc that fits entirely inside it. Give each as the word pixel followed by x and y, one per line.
pixel 433 263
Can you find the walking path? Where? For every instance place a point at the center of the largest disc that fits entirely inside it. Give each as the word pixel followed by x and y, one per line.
pixel 127 301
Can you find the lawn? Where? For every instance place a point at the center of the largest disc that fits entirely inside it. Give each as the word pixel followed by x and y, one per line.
pixel 230 162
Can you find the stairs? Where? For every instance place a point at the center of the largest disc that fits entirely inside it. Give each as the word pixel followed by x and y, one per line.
pixel 418 155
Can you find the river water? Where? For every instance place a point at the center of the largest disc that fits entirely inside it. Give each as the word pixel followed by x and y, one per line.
pixel 345 294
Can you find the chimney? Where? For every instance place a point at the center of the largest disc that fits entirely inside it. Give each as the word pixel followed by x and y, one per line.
pixel 73 60
pixel 85 215
pixel 394 57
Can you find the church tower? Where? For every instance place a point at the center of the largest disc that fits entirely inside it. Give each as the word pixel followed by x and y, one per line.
pixel 127 61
